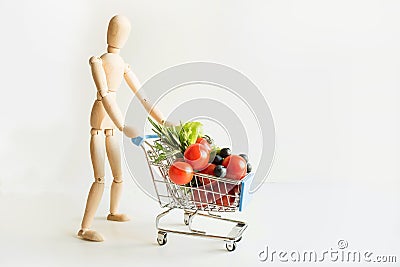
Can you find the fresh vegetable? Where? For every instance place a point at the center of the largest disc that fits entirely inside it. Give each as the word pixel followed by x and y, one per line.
pixel 174 140
pixel 220 171
pixel 189 147
pixel 209 169
pixel 188 133
pixel 225 152
pixel 204 142
pixel 169 144
pixel 218 160
pixel 197 156
pixel 236 167
pixel 180 173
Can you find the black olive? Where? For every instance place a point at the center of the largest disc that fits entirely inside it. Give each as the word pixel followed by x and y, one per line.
pixel 218 160
pixel 249 167
pixel 246 158
pixel 220 171
pixel 225 152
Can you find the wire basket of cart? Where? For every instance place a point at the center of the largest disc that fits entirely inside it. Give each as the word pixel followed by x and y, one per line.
pixel 205 195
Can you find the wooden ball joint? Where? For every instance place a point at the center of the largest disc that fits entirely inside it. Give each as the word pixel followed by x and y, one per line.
pixel 106 118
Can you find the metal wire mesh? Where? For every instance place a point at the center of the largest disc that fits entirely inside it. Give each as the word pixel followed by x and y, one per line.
pixel 204 192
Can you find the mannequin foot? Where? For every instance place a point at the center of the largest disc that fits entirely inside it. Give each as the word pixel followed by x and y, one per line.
pixel 118 217
pixel 90 235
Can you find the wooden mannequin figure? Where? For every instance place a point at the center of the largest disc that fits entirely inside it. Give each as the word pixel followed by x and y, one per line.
pixel 108 72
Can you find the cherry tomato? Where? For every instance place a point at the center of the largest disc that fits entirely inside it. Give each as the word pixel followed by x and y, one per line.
pixel 236 167
pixel 180 173
pixel 197 156
pixel 204 142
pixel 210 171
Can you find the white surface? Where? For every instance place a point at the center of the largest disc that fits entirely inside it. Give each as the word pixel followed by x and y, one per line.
pixel 39 230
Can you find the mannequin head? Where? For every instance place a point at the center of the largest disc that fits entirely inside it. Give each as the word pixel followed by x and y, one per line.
pixel 118 31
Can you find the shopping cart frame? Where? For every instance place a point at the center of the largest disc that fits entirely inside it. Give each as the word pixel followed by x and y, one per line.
pixel 178 197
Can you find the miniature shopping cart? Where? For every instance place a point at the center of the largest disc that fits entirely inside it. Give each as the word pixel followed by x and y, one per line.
pixel 204 195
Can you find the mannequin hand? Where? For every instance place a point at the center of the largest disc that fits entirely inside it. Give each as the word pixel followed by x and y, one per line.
pixel 130 131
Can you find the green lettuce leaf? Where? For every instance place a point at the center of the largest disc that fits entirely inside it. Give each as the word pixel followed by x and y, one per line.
pixel 190 131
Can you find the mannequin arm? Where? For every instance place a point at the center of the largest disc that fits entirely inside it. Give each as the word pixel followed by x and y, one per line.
pixel 134 84
pixel 109 103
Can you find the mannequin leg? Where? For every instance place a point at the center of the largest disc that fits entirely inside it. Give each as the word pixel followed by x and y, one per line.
pixel 114 158
pixel 97 188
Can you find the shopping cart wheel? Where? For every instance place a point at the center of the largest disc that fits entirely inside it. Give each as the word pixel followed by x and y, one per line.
pixel 186 218
pixel 230 246
pixel 162 238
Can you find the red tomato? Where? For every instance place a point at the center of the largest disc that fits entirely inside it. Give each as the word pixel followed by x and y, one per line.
pixel 180 173
pixel 197 156
pixel 204 142
pixel 236 167
pixel 210 171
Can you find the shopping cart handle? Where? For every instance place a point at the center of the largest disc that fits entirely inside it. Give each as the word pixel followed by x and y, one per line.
pixel 151 136
pixel 140 139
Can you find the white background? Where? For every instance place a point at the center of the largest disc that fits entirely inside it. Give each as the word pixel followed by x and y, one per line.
pixel 329 70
